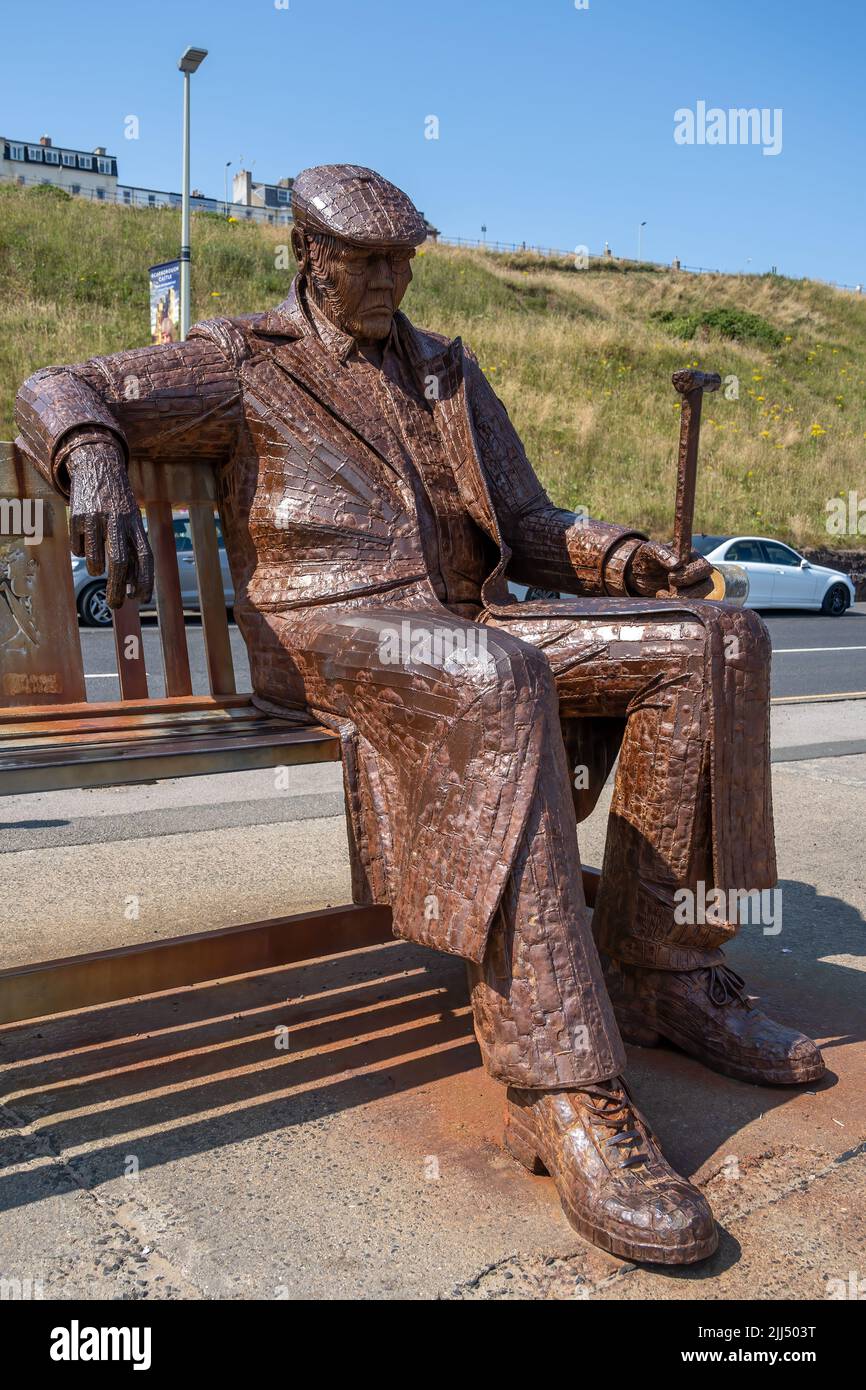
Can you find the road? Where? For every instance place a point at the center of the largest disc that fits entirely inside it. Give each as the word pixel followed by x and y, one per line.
pixel 812 655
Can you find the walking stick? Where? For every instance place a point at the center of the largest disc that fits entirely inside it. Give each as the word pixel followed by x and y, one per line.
pixel 691 386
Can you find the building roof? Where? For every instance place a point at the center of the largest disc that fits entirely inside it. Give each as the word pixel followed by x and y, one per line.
pixel 99 151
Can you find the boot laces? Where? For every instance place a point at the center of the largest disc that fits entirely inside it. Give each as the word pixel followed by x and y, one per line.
pixel 725 986
pixel 609 1104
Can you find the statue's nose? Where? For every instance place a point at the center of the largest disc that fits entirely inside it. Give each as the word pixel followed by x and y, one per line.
pixel 381 274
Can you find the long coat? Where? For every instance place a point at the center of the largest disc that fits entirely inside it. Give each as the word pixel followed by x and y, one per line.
pixel 317 512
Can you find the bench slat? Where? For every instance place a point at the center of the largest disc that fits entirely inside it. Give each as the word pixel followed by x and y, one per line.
pixel 217 644
pixel 172 632
pixel 129 651
pixel 134 730
pixel 41 654
pixel 135 760
pixel 88 720
pixel 99 977
pixel 17 714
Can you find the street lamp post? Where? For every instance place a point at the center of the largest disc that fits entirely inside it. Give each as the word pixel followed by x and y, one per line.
pixel 226 188
pixel 189 62
pixel 639 238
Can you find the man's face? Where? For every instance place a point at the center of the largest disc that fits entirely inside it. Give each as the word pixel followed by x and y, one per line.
pixel 358 289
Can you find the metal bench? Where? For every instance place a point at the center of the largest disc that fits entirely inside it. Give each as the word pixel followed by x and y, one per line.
pixel 52 737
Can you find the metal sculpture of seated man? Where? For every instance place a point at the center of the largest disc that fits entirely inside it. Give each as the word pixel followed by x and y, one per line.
pixel 375 498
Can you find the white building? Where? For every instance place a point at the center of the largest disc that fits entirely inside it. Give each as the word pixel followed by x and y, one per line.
pixel 93 174
pixel 88 173
pixel 274 198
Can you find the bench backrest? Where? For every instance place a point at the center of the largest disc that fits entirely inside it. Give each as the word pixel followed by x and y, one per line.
pixel 40 648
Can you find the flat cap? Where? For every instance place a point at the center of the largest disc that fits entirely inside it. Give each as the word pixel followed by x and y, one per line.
pixel 356 204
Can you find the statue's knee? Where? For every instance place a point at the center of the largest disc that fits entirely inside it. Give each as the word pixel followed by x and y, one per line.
pixel 742 631
pixel 518 664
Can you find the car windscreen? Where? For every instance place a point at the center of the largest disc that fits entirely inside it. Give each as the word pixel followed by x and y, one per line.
pixel 704 544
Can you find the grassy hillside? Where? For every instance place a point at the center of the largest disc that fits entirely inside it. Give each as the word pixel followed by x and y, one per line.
pixel 582 358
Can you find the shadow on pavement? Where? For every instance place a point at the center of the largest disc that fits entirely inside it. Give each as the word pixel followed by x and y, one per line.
pixel 213 1065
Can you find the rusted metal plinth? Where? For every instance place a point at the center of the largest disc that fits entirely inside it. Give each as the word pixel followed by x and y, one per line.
pixel 125 972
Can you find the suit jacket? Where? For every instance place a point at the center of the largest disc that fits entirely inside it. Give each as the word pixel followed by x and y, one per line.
pixel 317 509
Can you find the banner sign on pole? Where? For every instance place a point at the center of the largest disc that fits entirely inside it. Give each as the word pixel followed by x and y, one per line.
pixel 165 302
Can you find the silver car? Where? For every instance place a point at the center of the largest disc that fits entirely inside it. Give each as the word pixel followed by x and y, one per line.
pixel 90 592
pixel 779 577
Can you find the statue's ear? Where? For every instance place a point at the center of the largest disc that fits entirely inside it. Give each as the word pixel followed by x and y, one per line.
pixel 300 249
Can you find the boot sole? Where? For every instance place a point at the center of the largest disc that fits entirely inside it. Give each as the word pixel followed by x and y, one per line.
pixel 641 1034
pixel 520 1142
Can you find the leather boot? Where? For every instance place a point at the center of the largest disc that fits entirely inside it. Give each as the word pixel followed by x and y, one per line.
pixel 616 1187
pixel 707 1013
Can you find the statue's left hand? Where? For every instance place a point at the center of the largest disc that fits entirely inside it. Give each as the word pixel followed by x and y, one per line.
pixel 654 566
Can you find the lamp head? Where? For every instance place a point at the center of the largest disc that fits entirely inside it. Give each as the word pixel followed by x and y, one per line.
pixel 191 59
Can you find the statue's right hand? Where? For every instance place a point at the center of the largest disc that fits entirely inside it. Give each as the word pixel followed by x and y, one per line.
pixel 105 522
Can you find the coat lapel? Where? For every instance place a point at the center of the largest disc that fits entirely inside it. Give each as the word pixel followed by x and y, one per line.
pixel 457 431
pixel 445 364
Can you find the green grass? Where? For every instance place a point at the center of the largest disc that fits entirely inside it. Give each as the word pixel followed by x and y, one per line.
pixel 582 358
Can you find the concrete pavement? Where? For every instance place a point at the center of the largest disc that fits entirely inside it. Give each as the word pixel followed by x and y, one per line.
pixel 173 1147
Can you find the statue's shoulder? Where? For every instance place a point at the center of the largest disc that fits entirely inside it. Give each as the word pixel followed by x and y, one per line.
pixel 426 343
pixel 238 337
pixel 231 335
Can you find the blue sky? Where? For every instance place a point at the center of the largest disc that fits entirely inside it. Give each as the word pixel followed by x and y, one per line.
pixel 555 124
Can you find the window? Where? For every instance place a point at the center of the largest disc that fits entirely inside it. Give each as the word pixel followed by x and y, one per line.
pixel 746 550
pixel 16 151
pixel 85 161
pixel 283 195
pixel 76 188
pixel 182 533
pixel 151 198
pixel 780 555
pixel 69 159
pixel 100 193
pixel 104 165
pixel 34 152
pixel 51 157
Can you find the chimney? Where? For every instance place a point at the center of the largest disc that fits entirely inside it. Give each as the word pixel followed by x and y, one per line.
pixel 45 140
pixel 242 188
pixel 100 149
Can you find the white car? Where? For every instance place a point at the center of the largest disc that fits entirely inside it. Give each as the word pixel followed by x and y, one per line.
pixel 778 576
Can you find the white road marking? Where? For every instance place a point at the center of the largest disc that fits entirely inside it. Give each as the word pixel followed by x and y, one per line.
pixel 818 699
pixel 780 651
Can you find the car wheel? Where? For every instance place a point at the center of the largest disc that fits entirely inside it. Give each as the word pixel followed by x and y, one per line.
pixel 92 606
pixel 836 601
